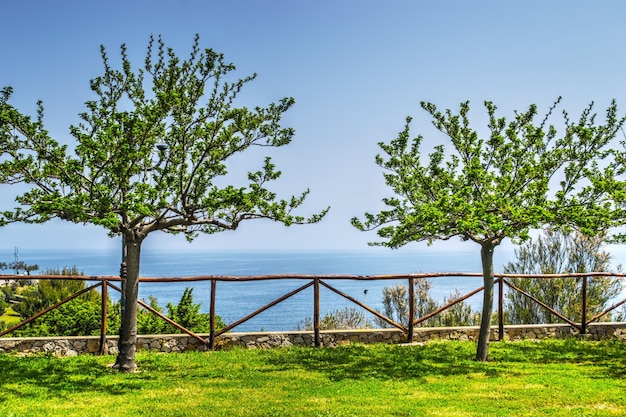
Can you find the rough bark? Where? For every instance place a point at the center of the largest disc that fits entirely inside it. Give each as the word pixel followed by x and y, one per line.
pixel 486 254
pixel 128 332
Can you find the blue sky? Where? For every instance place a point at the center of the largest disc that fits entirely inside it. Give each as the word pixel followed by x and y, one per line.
pixel 355 68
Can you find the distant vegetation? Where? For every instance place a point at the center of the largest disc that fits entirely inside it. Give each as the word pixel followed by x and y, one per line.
pixel 340 319
pixel 82 315
pixel 396 307
pixel 18 266
pixel 552 252
pixel 557 252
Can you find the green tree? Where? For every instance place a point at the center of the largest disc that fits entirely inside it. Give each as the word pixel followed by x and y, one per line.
pixel 19 266
pixel 186 313
pixel 152 154
pixel 557 252
pixel 521 176
pixel 395 305
pixel 149 323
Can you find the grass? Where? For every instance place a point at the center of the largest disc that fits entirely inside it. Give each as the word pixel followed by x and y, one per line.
pixel 553 378
pixel 10 317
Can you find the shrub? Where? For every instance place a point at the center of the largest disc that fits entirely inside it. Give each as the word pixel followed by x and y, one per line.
pixel 348 318
pixel 186 313
pixel 559 252
pixel 396 307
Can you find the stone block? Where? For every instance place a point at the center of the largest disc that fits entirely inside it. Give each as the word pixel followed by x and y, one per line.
pixel 93 346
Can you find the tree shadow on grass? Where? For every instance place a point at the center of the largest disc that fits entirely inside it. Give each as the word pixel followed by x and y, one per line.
pixel 451 358
pixel 65 377
pixel 384 361
pixel 61 377
pixel 608 357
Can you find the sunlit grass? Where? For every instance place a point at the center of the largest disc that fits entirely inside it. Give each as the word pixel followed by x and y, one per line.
pixel 555 378
pixel 10 317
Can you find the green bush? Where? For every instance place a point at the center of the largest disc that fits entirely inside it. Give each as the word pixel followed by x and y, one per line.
pixel 44 293
pixel 186 313
pixel 396 307
pixel 559 252
pixel 149 323
pixel 80 316
pixel 348 318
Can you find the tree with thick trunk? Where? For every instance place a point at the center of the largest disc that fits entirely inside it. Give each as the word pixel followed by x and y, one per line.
pixel 152 154
pixel 522 176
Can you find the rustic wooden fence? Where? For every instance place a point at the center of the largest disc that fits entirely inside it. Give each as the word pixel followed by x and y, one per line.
pixel 103 283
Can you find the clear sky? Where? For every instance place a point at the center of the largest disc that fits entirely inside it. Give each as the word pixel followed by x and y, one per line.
pixel 356 68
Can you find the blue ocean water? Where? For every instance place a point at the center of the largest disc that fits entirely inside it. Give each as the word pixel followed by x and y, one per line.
pixel 235 300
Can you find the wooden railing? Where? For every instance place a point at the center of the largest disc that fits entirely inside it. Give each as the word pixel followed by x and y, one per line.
pixel 317 281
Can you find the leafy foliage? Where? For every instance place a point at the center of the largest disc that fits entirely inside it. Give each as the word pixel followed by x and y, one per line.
pixel 396 307
pixel 396 302
pixel 186 313
pixel 493 188
pixel 116 180
pixel 18 266
pixel 347 318
pixel 48 292
pixel 152 154
pixel 4 303
pixel 460 314
pixel 82 315
pixel 559 252
pixel 148 323
pixel 522 175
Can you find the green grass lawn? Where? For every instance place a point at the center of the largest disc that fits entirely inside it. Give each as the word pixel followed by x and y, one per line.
pixel 553 378
pixel 10 317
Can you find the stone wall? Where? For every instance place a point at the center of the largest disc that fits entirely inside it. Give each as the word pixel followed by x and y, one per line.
pixel 70 346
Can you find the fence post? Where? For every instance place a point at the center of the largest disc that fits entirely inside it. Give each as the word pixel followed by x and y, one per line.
pixel 103 321
pixel 411 309
pixel 316 312
pixel 212 315
pixel 500 308
pixel 583 324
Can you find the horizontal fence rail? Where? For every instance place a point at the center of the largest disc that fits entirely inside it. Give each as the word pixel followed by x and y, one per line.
pixel 318 281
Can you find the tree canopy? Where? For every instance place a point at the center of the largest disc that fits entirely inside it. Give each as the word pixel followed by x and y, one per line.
pixel 151 154
pixel 149 160
pixel 523 174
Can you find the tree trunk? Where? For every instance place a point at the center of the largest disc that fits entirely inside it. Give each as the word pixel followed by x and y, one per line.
pixel 128 332
pixel 486 254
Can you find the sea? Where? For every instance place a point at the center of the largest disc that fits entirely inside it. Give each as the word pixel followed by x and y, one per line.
pixel 235 300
